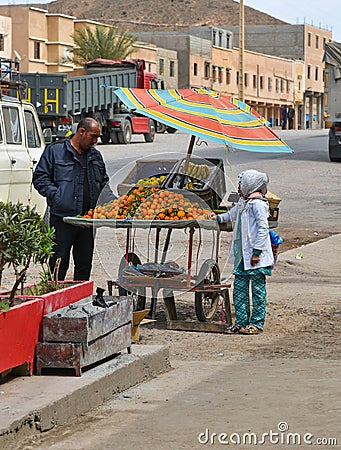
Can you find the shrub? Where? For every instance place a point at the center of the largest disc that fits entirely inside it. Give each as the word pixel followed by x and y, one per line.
pixel 24 239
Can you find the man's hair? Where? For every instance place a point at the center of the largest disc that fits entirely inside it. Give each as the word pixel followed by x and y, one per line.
pixel 87 123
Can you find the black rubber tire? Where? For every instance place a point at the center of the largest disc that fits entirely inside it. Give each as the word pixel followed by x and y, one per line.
pixel 139 295
pixel 171 130
pixel 124 136
pixel 114 137
pixel 206 303
pixel 160 127
pixel 149 137
pixel 105 138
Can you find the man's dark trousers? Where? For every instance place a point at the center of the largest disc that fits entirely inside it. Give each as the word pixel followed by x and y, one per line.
pixel 80 240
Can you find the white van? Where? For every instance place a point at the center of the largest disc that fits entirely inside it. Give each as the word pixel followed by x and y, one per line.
pixel 21 145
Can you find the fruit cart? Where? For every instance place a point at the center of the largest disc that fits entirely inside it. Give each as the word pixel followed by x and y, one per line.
pixel 135 277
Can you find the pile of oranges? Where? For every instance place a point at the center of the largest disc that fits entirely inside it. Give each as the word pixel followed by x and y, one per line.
pixel 150 204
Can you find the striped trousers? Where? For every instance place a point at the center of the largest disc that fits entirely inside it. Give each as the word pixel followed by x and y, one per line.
pixel 241 299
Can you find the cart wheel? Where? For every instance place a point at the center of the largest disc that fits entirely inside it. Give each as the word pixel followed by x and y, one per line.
pixel 206 303
pixel 138 295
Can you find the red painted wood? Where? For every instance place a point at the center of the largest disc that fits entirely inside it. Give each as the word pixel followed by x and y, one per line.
pixel 21 326
pixel 64 297
pixel 19 330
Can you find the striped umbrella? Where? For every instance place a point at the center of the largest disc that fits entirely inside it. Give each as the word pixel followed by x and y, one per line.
pixel 206 114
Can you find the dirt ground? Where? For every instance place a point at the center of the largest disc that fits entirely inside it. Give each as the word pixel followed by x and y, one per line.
pixel 291 330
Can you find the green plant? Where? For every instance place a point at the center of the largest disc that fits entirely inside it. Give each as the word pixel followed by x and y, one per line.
pixel 24 239
pixel 103 42
pixel 48 280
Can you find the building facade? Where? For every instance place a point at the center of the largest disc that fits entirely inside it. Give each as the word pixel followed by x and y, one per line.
pixel 44 43
pixel 208 59
pixel 300 43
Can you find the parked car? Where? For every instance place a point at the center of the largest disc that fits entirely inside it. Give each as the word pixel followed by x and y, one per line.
pixel 335 142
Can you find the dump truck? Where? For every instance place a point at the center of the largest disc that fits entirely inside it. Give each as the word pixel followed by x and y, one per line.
pixel 332 58
pixel 64 99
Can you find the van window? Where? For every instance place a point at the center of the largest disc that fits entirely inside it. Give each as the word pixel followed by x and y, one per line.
pixel 32 135
pixel 12 125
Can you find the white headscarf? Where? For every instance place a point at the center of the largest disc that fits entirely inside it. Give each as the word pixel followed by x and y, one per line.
pixel 253 181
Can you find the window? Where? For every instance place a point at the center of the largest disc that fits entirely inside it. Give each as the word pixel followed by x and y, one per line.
pixel 246 79
pixel 214 37
pixel 228 76
pixel 324 42
pixel 228 41
pixel 171 68
pixel 269 84
pixel 12 125
pixel 288 86
pixel 161 66
pixel 32 134
pixel 254 81
pixel 309 72
pixel 207 70
pixel 317 41
pixel 237 78
pixel 36 50
pixel 220 39
pixel 149 67
pixel 282 86
pixel 2 42
pixel 214 74
pixel 220 75
pixel 316 73
pixel 195 69
pixel 277 84
pixel 309 39
pixel 261 82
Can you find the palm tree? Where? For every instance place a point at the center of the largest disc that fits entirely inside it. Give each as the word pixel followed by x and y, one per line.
pixel 103 42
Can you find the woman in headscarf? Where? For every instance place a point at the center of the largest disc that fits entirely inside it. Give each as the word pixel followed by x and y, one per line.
pixel 250 251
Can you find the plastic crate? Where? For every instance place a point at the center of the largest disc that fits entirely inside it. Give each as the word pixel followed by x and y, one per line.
pixel 144 169
pixel 211 189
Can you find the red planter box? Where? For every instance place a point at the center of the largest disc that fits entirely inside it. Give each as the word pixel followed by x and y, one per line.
pixel 20 327
pixel 19 331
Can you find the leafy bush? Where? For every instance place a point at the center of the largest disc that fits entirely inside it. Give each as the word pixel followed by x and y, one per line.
pixel 24 239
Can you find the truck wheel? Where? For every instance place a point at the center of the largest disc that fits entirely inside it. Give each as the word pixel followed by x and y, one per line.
pixel 105 138
pixel 149 137
pixel 124 136
pixel 171 130
pixel 114 137
pixel 160 127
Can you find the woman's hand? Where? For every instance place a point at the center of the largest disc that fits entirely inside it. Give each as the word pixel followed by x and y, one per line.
pixel 254 260
pixel 213 216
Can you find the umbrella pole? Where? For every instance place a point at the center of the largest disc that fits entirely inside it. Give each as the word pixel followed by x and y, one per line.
pixel 189 152
pixel 188 157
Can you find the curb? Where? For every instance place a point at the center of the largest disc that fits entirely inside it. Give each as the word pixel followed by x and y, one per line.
pixel 37 404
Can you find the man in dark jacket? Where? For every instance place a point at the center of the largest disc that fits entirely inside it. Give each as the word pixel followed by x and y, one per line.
pixel 71 175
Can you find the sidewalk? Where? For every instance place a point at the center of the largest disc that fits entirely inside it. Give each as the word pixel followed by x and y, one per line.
pixel 32 404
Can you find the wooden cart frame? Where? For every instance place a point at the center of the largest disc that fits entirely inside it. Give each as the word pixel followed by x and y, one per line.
pixel 208 290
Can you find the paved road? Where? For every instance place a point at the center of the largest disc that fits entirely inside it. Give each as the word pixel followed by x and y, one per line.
pixel 306 180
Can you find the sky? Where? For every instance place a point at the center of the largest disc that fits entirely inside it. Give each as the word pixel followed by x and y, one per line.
pixel 324 14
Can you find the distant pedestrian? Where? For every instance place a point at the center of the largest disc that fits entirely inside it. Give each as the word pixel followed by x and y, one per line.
pixel 291 115
pixel 284 117
pixel 250 252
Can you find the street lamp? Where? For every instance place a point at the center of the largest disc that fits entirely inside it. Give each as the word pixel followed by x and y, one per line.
pixel 241 51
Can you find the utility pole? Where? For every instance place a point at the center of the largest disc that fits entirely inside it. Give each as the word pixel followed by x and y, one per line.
pixel 241 51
